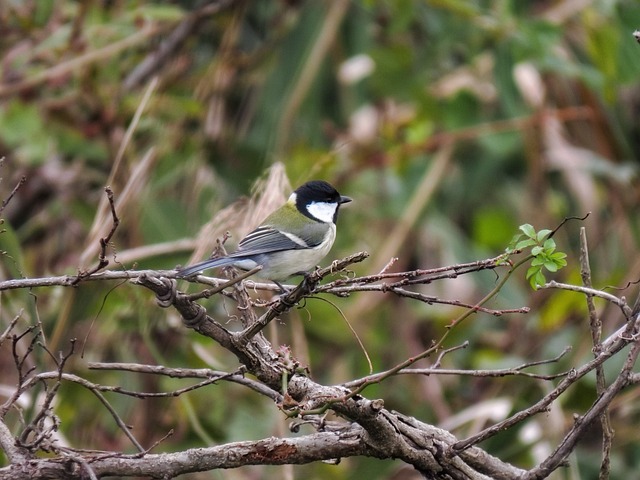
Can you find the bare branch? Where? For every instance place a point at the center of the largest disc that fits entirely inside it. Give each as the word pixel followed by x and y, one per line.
pixel 418 276
pixel 620 302
pixel 10 327
pixel 95 389
pixel 14 453
pixel 238 378
pixel 614 347
pixel 270 451
pixel 104 241
pixel 502 372
pixel 6 201
pixel 596 337
pixel 229 283
pixel 36 426
pixel 378 432
pixel 596 410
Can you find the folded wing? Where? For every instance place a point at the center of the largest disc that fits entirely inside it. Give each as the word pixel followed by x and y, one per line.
pixel 266 239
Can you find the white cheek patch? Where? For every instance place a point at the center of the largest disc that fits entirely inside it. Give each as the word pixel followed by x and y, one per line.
pixel 323 211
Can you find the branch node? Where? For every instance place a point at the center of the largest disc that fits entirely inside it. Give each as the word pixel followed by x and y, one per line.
pixel 166 299
pixel 197 319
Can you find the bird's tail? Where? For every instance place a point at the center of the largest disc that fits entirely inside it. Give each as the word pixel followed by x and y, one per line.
pixel 204 265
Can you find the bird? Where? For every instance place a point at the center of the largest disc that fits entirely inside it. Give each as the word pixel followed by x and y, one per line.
pixel 290 241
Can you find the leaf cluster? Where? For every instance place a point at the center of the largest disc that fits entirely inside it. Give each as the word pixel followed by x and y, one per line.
pixel 543 253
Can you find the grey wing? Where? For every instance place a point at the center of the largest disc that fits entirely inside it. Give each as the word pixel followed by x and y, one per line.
pixel 266 239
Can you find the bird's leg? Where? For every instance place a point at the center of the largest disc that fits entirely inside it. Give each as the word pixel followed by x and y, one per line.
pixel 284 290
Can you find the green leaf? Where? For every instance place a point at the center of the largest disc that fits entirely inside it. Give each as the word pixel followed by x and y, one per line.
pixel 525 243
pixel 538 261
pixel 528 230
pixel 515 239
pixel 532 271
pixel 558 256
pixel 536 250
pixel 537 279
pixel 561 262
pixel 542 234
pixel 512 244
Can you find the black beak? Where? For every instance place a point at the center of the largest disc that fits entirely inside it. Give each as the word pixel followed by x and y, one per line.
pixel 344 199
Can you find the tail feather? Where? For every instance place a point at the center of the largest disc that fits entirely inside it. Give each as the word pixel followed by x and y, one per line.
pixel 204 265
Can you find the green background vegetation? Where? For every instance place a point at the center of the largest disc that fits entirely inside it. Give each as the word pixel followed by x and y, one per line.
pixel 512 112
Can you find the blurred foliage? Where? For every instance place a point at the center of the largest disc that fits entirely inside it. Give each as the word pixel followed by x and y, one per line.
pixel 539 101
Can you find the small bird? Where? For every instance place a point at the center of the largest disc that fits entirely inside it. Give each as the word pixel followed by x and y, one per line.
pixel 290 241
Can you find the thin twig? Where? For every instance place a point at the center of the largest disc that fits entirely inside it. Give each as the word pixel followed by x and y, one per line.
pixel 94 388
pixel 220 287
pixel 567 219
pixel 45 411
pixel 11 326
pixel 502 372
pixel 104 241
pixel 6 201
pixel 20 360
pixel 174 393
pixel 82 462
pixel 620 302
pixel 542 405
pixel 238 378
pixel 446 351
pixel 116 417
pixel 568 443
pixel 438 345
